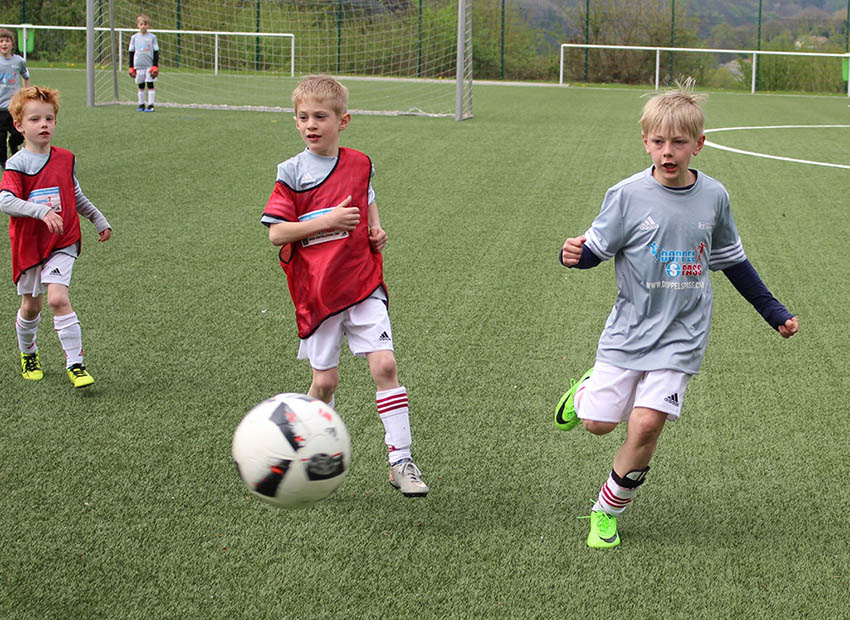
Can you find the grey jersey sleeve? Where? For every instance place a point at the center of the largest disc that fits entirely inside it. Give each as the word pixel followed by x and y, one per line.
pixel 25 73
pixel 726 246
pixel 16 207
pixel 606 234
pixel 89 211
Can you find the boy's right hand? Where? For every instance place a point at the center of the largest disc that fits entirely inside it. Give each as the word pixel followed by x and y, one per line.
pixel 132 72
pixel 54 222
pixel 343 217
pixel 571 252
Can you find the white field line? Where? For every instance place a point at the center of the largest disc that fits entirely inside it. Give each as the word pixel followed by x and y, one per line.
pixel 777 157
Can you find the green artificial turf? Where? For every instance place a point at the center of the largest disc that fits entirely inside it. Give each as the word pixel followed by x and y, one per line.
pixel 121 501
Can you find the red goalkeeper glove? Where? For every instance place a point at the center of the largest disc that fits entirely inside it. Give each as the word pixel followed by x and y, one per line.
pixel 132 72
pixel 154 71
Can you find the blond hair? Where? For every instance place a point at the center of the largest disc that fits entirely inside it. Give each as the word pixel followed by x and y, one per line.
pixel 675 111
pixel 321 88
pixel 145 19
pixel 32 93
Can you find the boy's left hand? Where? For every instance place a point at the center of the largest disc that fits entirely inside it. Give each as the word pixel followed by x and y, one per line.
pixel 105 235
pixel 377 238
pixel 790 327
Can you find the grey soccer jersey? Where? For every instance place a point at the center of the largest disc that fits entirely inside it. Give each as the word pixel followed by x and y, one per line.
pixel 143 46
pixel 307 170
pixel 11 71
pixel 663 242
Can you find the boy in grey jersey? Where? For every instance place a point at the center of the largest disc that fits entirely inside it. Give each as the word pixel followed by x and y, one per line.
pixel 665 227
pixel 13 74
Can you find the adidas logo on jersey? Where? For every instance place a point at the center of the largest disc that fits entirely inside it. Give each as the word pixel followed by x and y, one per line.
pixel 673 399
pixel 384 337
pixel 648 224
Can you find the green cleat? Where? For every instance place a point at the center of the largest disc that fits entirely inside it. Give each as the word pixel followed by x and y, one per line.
pixel 565 413
pixel 603 531
pixel 31 367
pixel 79 376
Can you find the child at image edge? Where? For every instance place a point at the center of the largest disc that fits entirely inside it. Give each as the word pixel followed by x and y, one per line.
pixel 323 215
pixel 144 61
pixel 13 74
pixel 665 228
pixel 41 194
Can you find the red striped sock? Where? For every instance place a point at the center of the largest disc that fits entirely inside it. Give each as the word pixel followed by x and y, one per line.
pixel 613 498
pixel 395 415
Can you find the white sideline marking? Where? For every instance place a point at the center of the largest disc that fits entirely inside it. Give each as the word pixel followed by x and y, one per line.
pixel 765 155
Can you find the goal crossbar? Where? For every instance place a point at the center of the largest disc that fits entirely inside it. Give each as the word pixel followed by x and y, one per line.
pixel 216 34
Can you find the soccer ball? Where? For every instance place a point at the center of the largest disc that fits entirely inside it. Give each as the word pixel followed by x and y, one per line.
pixel 291 450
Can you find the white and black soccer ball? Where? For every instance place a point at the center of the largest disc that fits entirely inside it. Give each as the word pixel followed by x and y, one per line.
pixel 292 450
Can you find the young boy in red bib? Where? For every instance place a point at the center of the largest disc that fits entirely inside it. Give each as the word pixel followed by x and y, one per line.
pixel 323 215
pixel 41 194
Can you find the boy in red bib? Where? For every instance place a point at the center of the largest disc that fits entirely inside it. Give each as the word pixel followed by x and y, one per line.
pixel 41 194
pixel 322 214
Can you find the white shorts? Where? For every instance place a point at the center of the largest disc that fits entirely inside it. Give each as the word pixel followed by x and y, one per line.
pixel 366 326
pixel 611 393
pixel 55 270
pixel 144 75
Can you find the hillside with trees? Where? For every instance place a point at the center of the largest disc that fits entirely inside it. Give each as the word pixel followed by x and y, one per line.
pixel 520 39
pixel 786 25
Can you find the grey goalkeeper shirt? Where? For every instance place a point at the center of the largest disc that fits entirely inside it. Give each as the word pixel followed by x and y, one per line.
pixel 664 242
pixel 143 46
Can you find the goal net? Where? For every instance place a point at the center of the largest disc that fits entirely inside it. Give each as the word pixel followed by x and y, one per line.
pixel 395 56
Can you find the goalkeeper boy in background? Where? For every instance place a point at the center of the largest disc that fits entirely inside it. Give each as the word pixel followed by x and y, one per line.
pixel 665 228
pixel 144 61
pixel 323 216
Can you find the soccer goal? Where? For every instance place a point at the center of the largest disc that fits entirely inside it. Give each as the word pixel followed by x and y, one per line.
pixel 395 56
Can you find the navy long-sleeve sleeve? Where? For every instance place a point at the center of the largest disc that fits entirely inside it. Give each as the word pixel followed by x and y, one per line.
pixel 746 280
pixel 588 259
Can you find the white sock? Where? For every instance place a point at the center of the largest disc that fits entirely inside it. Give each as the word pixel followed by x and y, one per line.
pixel 141 96
pixel 27 333
pixel 70 337
pixel 151 96
pixel 395 415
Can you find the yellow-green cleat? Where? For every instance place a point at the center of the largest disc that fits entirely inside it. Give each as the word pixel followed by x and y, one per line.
pixel 565 413
pixel 31 367
pixel 603 531
pixel 79 376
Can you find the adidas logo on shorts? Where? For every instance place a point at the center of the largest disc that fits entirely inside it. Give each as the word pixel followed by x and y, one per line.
pixel 384 337
pixel 673 399
pixel 56 272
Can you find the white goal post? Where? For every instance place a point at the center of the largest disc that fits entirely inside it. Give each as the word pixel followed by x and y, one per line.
pixel 397 57
pixel 754 53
